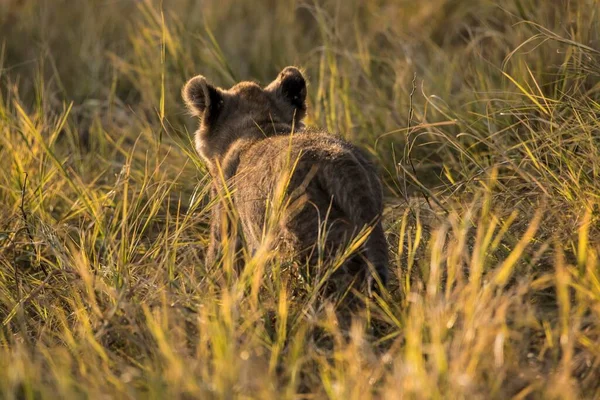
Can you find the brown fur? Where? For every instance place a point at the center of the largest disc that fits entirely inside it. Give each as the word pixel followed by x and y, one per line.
pixel 253 139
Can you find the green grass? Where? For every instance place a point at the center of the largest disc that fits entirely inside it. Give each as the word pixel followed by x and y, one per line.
pixel 484 119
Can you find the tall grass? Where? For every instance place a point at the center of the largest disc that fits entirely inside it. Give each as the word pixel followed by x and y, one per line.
pixel 484 118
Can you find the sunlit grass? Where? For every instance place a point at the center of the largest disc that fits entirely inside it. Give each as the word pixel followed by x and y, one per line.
pixel 490 156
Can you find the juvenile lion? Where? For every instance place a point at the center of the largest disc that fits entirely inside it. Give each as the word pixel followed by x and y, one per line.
pixel 255 145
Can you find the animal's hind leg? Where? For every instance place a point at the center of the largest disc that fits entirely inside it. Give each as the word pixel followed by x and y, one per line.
pixel 221 230
pixel 377 254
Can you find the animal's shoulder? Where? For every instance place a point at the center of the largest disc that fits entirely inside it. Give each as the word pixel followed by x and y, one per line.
pixel 312 146
pixel 318 143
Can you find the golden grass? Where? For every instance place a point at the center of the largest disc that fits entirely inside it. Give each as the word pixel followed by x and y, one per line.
pixel 484 118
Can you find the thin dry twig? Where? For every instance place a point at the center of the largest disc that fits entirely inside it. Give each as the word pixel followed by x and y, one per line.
pixel 409 131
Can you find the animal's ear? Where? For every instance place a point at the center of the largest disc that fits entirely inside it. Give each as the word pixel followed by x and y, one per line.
pixel 201 97
pixel 292 86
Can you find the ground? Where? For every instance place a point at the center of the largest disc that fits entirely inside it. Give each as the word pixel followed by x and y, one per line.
pixel 483 117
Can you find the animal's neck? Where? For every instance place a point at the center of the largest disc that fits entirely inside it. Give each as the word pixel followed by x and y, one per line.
pixel 270 128
pixel 252 132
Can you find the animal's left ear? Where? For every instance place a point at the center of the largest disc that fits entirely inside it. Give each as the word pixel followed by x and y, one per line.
pixel 292 86
pixel 201 98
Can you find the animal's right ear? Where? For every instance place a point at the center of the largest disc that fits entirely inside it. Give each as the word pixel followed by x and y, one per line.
pixel 291 84
pixel 201 97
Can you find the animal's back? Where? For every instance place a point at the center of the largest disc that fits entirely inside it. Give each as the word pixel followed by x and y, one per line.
pixel 330 192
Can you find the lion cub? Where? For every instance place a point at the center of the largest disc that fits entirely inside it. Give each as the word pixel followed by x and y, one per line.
pixel 322 190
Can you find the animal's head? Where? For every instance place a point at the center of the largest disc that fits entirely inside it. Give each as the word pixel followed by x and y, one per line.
pixel 244 111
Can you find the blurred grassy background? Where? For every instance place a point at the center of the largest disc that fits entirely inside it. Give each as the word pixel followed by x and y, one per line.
pixel 484 118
